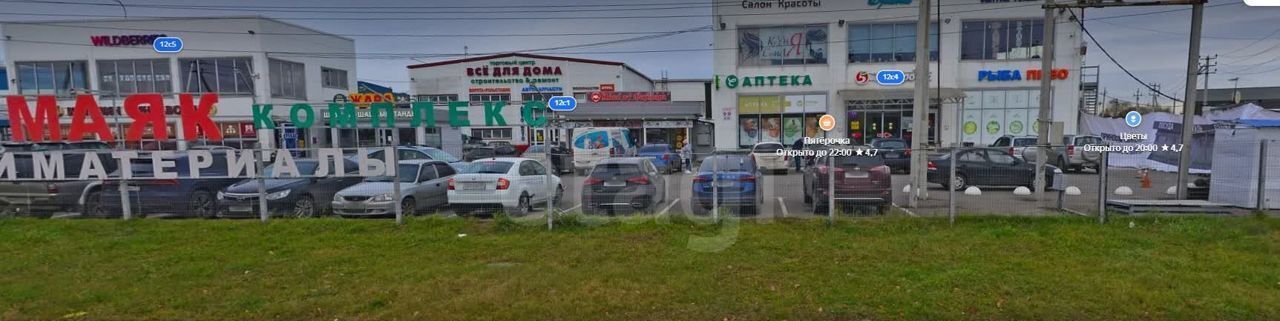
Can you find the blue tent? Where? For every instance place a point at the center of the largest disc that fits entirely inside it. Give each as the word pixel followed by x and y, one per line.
pixel 1260 122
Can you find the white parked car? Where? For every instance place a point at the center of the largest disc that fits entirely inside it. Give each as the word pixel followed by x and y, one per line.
pixel 768 159
pixel 513 184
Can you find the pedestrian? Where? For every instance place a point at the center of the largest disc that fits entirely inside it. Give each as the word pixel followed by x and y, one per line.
pixel 798 145
pixel 686 156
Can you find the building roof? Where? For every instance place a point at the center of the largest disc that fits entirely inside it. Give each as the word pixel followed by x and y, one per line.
pixel 1246 93
pixel 526 55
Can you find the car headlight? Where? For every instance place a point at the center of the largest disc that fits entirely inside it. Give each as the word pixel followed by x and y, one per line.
pixel 221 196
pixel 382 198
pixel 278 195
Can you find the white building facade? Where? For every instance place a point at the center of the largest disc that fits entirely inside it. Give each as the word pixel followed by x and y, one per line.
pixel 245 60
pixel 609 94
pixel 797 60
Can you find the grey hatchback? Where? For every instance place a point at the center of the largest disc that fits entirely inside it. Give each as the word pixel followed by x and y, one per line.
pixel 622 185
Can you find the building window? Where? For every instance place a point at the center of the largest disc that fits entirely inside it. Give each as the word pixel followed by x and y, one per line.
pixel 1001 39
pixel 438 98
pixel 288 80
pixel 124 77
pixel 543 97
pixel 784 45
pixel 51 77
pixel 989 114
pixel 480 98
pixel 333 78
pixel 492 133
pixel 888 42
pixel 225 76
pixel 776 118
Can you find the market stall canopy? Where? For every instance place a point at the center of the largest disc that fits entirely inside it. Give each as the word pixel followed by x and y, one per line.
pixel 948 94
pixel 636 110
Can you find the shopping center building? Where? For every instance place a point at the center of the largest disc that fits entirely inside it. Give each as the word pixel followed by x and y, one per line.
pixel 797 60
pixel 245 60
pixel 609 94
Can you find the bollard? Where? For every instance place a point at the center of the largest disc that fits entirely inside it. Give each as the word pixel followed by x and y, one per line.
pixel 1262 176
pixel 1102 188
pixel 393 168
pixel 831 190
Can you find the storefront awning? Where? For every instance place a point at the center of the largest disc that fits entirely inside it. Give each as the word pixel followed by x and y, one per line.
pixel 947 94
pixel 651 110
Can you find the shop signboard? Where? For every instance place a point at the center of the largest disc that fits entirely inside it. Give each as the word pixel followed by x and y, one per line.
pixel 607 87
pixel 510 71
pixel 124 40
pixel 1018 75
pixel 668 124
pixel 779 80
pixel 608 96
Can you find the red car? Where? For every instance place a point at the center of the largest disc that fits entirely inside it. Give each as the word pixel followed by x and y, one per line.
pixel 860 181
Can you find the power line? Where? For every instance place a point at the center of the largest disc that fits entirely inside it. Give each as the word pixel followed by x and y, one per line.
pixel 489 17
pixel 1113 59
pixel 389 7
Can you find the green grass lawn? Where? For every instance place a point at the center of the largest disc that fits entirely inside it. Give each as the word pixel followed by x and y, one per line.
pixel 988 268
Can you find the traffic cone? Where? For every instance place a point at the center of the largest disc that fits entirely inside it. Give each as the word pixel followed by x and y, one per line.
pixel 1146 179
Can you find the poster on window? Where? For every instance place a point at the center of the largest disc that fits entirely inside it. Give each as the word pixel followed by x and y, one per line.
pixel 748 130
pixel 782 45
pixel 969 126
pixel 1016 122
pixel 792 128
pixel 992 125
pixel 1018 99
pixel 771 129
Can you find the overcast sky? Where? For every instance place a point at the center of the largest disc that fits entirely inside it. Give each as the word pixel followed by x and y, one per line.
pixel 1153 46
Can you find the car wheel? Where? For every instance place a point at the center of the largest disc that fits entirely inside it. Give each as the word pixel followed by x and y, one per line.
pixel 522 205
pixel 559 195
pixel 882 209
pixel 959 182
pixel 201 204
pixel 1062 163
pixel 408 207
pixel 93 205
pixel 808 198
pixel 699 210
pixel 304 206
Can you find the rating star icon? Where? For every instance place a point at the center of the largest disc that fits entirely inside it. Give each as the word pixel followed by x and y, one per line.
pixel 1164 148
pixel 858 151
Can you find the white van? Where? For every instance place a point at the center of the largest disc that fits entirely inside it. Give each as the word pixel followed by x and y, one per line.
pixel 593 144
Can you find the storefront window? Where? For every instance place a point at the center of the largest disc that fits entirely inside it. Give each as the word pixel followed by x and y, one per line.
pixel 888 42
pixel 543 97
pixel 492 133
pixel 225 76
pixel 1001 39
pixel 480 98
pixel 783 45
pixel 51 77
pixel 124 77
pixel 782 119
pixel 989 114
pixel 438 98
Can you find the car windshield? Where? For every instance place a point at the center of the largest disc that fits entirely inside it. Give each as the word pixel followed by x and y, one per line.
pixel 891 144
pixel 490 167
pixel 610 170
pixel 733 163
pixel 654 149
pixel 440 155
pixel 591 140
pixel 536 149
pixel 406 172
pixel 305 168
pixel 1024 142
pixel 767 148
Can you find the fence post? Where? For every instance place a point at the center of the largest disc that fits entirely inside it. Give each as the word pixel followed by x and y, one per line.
pixel 262 184
pixel 1262 176
pixel 951 198
pixel 831 190
pixel 715 190
pixel 393 167
pixel 1102 186
pixel 551 190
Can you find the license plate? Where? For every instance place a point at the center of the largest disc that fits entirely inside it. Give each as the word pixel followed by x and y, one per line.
pixel 473 186
pixel 855 175
pixel 615 184
pixel 891 155
pixel 240 208
pixel 724 184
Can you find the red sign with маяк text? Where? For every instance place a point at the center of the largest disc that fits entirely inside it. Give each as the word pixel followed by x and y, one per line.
pixel 605 96
pixel 146 112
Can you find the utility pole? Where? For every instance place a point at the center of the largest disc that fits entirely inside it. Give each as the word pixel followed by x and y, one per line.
pixel 1045 119
pixel 1137 96
pixel 1155 94
pixel 920 111
pixel 1206 68
pixel 1188 110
